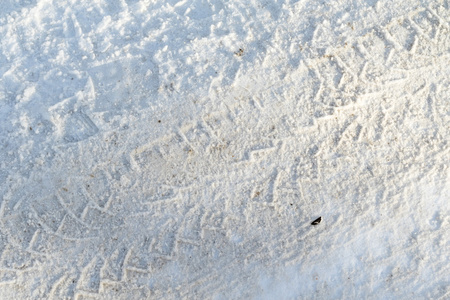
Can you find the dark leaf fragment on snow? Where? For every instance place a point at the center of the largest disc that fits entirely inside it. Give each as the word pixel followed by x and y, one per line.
pixel 316 221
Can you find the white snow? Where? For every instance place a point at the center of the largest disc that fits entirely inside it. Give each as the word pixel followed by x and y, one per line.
pixel 181 149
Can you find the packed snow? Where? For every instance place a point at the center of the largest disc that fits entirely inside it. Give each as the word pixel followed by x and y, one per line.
pixel 209 149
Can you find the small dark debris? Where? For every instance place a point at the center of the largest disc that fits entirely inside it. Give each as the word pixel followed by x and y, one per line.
pixel 316 221
pixel 170 87
pixel 31 128
pixel 159 121
pixel 240 52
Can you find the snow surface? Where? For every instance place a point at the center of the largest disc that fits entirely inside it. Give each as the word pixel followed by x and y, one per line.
pixel 181 149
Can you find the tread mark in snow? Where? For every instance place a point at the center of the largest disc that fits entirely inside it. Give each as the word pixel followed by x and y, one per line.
pixel 78 126
pixel 82 210
pixel 90 276
pixel 403 32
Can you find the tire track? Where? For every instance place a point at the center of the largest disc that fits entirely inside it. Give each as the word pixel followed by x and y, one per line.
pixel 180 195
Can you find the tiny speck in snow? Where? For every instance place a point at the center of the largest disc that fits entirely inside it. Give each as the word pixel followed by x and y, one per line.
pixel 240 52
pixel 316 221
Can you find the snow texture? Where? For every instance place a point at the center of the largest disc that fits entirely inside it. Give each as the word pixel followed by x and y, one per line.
pixel 171 149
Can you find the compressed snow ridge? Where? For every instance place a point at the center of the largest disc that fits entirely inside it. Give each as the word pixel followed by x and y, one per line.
pixel 183 149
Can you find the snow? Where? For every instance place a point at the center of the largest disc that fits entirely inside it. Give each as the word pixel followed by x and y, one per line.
pixel 181 149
